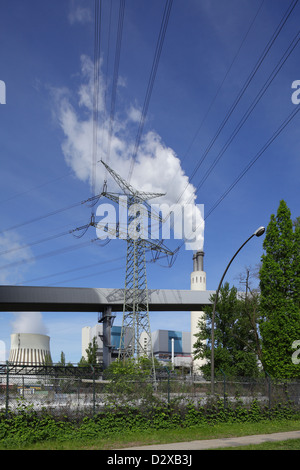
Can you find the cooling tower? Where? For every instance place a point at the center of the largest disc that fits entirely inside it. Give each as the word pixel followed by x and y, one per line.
pixel 29 349
pixel 198 282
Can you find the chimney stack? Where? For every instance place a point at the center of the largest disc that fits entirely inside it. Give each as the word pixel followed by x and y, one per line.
pixel 198 282
pixel 198 261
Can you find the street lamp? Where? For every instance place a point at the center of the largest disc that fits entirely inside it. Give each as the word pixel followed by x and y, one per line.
pixel 260 231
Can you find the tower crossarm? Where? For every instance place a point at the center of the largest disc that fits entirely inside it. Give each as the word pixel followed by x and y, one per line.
pixel 119 199
pixel 128 188
pixel 157 246
pixel 116 197
pixel 112 232
pixel 117 232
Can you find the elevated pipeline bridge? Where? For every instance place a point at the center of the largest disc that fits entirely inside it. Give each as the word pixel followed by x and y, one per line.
pixel 81 299
pixel 102 300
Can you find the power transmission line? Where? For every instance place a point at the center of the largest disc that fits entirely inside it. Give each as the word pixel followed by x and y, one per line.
pixel 246 115
pixel 48 254
pixel 50 214
pixel 222 83
pixel 252 162
pixel 252 106
pixel 68 271
pixel 254 159
pixel 243 90
pixel 97 38
pixel 37 242
pixel 153 72
pixel 115 75
pixel 88 275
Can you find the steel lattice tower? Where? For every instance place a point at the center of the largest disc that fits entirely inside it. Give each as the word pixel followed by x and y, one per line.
pixel 135 306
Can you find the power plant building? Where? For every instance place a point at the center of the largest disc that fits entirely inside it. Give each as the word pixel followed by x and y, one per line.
pixel 170 345
pixel 88 333
pixel 167 344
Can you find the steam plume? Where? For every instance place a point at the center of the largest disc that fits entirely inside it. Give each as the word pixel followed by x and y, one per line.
pixel 157 167
pixel 29 322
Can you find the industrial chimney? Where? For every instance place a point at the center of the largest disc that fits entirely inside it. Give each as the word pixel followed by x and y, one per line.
pixel 198 263
pixel 198 282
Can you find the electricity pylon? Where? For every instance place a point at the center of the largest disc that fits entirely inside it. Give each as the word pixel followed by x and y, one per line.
pixel 135 306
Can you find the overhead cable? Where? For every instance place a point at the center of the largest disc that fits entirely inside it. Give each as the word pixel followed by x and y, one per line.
pixel 158 50
pixel 68 271
pixel 48 254
pixel 254 103
pixel 254 160
pixel 274 136
pixel 222 83
pixel 244 88
pixel 97 37
pixel 115 77
pixel 49 214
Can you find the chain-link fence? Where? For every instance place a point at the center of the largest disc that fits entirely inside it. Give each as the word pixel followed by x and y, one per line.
pixel 84 391
pixel 266 390
pixel 59 390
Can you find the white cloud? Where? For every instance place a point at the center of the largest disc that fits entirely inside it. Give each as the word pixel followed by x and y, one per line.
pixel 11 269
pixel 78 13
pixel 157 167
pixel 134 114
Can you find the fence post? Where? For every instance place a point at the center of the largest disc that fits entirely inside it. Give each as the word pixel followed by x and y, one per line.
pixel 224 386
pixel 94 391
pixel 269 390
pixel 168 385
pixel 7 390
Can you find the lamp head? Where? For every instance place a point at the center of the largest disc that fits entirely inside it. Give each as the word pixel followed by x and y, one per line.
pixel 260 231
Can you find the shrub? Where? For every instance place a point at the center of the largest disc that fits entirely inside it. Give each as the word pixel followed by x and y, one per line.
pixel 26 426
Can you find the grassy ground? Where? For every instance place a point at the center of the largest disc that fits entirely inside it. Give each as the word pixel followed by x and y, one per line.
pixel 290 444
pixel 166 436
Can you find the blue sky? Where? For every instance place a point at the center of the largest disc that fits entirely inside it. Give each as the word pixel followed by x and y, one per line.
pixel 210 50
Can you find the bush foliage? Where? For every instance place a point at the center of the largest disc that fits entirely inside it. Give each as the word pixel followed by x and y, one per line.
pixel 26 426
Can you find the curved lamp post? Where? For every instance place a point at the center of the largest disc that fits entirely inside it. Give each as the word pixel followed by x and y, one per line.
pixel 260 231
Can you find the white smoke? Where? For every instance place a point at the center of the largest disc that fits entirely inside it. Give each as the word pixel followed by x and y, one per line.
pixel 29 322
pixel 157 167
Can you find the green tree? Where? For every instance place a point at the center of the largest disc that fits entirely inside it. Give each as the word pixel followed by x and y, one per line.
pixel 62 361
pixel 130 383
pixel 280 294
pixel 48 360
pixel 235 341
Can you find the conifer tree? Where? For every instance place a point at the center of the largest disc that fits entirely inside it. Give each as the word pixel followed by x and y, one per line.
pixel 280 294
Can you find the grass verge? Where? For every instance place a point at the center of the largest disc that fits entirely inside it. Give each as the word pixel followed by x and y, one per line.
pixel 130 439
pixel 290 444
